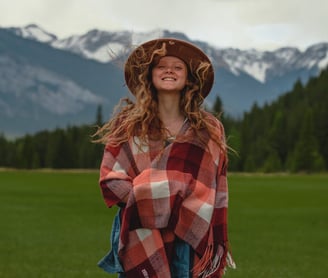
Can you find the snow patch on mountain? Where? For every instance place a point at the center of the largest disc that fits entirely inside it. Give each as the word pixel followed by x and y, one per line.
pixel 250 62
pixel 32 31
pixel 287 54
pixel 98 45
pixel 324 62
pixel 316 55
pixel 257 70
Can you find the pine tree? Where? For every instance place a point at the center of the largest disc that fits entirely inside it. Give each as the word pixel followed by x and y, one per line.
pixel 306 156
pixel 218 106
pixel 99 116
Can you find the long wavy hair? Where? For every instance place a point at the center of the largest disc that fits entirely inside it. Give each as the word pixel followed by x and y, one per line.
pixel 141 118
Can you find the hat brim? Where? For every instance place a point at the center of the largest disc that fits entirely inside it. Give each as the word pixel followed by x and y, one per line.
pixel 187 52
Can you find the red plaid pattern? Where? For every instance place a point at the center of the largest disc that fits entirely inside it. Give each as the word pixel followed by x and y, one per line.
pixel 180 190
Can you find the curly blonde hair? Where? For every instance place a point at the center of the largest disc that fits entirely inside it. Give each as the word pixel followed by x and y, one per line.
pixel 140 118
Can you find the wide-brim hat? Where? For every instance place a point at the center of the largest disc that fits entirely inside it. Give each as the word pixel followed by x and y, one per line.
pixel 186 51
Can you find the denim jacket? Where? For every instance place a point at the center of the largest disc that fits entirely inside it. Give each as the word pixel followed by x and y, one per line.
pixel 180 266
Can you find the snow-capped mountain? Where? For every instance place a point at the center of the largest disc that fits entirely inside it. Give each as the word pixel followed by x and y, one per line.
pixel 103 46
pixel 98 45
pixel 47 82
pixel 265 65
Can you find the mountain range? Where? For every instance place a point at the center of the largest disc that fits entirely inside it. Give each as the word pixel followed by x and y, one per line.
pixel 47 82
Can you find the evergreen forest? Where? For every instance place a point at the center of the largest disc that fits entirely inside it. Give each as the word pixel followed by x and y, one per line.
pixel 287 135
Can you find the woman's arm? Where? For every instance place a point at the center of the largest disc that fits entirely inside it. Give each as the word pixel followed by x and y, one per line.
pixel 115 180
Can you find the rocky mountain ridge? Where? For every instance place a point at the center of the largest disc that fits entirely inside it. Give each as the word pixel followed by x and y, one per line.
pixel 103 46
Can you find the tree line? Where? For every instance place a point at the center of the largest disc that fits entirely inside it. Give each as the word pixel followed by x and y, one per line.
pixel 62 148
pixel 287 135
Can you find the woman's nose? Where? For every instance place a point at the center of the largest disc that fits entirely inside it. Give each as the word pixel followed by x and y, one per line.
pixel 168 69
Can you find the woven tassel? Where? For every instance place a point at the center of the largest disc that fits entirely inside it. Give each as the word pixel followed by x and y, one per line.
pixel 213 265
pixel 205 262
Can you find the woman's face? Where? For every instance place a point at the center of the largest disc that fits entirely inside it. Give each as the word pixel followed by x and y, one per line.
pixel 170 74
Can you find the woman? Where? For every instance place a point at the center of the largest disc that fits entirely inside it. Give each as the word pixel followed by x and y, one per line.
pixel 164 166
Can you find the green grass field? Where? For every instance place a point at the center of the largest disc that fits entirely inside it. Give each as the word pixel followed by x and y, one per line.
pixel 55 224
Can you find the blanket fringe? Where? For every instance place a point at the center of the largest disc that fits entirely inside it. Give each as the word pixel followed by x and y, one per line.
pixel 208 264
pixel 211 264
pixel 204 262
pixel 230 262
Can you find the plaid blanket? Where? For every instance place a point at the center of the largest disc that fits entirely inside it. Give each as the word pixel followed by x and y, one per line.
pixel 179 191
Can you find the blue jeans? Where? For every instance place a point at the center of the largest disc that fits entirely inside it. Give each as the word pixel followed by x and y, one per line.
pixel 180 266
pixel 110 263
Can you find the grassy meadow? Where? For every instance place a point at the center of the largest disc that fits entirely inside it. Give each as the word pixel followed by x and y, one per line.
pixel 55 224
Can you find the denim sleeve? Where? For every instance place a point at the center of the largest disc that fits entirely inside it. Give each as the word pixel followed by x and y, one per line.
pixel 110 263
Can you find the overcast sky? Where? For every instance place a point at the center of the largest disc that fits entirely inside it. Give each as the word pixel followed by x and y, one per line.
pixel 260 24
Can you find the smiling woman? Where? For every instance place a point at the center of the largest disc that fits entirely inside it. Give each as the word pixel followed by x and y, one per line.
pixel 165 167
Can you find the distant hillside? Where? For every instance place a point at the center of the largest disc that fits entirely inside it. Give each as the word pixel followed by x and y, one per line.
pixel 44 87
